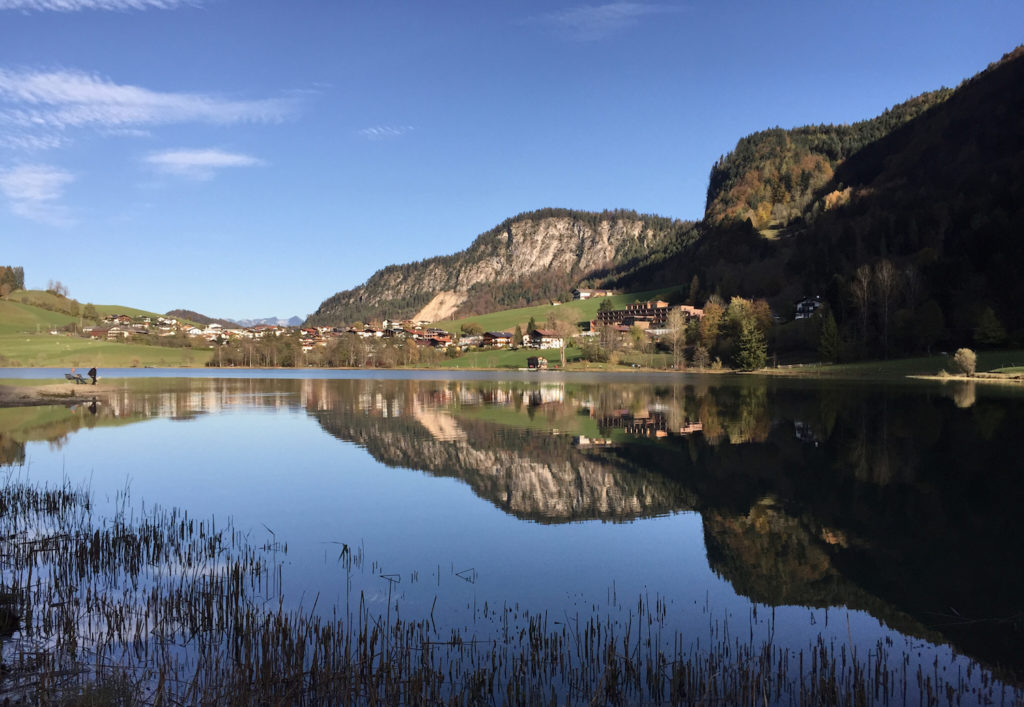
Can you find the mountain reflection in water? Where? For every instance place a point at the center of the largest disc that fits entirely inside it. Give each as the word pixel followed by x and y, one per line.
pixel 900 502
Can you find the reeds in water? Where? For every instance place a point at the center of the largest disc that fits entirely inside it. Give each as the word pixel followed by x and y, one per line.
pixel 167 609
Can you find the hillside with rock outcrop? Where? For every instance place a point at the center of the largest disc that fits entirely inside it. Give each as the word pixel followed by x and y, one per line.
pixel 530 258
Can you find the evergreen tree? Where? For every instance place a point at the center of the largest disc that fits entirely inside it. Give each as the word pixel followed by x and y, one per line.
pixel 829 343
pixel 531 325
pixel 753 353
pixel 517 337
pixel 989 331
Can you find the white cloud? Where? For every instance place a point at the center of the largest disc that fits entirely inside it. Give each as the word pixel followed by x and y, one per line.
pixel 33 191
pixel 77 5
pixel 382 132
pixel 199 164
pixel 70 99
pixel 593 22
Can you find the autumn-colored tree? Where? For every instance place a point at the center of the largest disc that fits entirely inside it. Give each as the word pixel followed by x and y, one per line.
pixel 711 322
pixel 965 361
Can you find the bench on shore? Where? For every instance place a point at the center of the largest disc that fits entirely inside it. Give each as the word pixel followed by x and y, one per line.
pixel 77 378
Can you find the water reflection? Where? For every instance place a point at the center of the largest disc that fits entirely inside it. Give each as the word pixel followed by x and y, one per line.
pixel 902 503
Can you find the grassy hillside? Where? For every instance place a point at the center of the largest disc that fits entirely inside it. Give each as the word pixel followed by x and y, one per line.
pixel 580 311
pixel 54 303
pixel 25 341
pixel 16 317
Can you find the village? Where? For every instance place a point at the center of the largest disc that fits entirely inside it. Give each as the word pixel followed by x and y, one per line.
pixel 630 326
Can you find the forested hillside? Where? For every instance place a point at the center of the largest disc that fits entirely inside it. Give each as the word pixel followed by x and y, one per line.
pixel 773 175
pixel 914 240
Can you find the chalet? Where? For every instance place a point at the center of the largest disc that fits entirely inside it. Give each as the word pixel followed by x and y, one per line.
pixel 497 339
pixel 537 363
pixel 466 342
pixel 646 315
pixel 580 293
pixel 806 307
pixel 691 312
pixel 98 333
pixel 545 339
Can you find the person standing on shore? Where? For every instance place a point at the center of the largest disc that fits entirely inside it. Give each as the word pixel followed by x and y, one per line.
pixel 92 374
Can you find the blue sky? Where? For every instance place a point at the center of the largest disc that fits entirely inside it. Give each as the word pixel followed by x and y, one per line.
pixel 248 158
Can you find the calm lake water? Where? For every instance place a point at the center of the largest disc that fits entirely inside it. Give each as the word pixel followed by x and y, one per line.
pixel 789 509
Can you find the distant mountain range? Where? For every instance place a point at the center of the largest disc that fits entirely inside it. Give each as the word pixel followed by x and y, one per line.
pixel 204 320
pixel 271 321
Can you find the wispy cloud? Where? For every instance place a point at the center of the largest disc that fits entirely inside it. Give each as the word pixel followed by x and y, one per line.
pixel 33 191
pixel 199 164
pixel 587 23
pixel 383 132
pixel 69 99
pixel 27 142
pixel 78 5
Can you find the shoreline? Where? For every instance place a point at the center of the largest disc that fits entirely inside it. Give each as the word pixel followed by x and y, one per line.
pixel 51 394
pixel 36 392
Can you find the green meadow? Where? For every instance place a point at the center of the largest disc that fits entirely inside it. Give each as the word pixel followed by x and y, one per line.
pixel 575 310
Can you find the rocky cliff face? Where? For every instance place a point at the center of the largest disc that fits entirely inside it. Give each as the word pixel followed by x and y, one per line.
pixel 543 253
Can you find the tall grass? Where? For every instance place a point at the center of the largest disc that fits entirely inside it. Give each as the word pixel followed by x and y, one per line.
pixel 158 607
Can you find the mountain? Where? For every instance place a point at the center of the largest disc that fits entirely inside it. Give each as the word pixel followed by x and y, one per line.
pixel 272 321
pixel 913 238
pixel 530 258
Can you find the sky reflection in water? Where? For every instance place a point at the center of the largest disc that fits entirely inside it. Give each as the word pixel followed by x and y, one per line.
pixel 570 497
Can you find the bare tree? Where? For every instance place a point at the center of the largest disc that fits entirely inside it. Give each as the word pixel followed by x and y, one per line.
pixel 676 325
pixel 861 289
pixel 887 283
pixel 564 327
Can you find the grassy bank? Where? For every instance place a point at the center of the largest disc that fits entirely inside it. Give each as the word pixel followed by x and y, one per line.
pixel 1001 361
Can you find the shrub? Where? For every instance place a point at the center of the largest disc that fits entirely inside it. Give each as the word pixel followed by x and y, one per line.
pixel 965 361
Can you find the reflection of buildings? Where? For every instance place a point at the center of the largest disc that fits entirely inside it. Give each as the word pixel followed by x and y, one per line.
pixel 690 427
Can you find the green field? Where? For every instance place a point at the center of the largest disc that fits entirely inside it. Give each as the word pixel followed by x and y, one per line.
pixel 578 311
pixel 46 350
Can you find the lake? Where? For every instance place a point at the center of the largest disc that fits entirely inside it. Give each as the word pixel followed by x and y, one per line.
pixel 798 513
